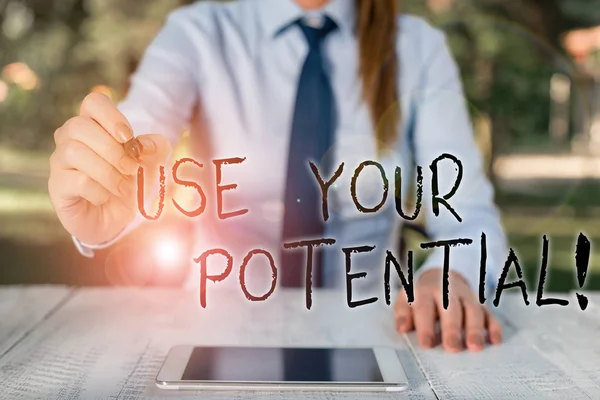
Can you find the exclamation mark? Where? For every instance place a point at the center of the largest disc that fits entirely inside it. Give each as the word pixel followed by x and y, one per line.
pixel 582 259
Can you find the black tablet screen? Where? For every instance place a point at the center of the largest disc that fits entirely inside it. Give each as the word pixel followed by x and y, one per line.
pixel 281 365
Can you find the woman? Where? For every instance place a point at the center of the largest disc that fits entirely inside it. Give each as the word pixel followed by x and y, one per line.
pixel 283 82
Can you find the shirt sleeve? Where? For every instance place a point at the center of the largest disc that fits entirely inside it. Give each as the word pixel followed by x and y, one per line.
pixel 442 126
pixel 162 94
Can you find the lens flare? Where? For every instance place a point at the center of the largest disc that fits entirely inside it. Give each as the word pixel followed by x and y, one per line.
pixel 169 252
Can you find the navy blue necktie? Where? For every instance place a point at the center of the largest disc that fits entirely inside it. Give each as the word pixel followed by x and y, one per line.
pixel 313 128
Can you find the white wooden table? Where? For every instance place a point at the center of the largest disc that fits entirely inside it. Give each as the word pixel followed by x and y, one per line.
pixel 67 343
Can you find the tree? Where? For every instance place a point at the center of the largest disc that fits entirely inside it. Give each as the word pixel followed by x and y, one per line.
pixel 508 51
pixel 72 46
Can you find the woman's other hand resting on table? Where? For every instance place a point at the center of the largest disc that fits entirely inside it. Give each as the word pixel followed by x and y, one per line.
pixel 463 324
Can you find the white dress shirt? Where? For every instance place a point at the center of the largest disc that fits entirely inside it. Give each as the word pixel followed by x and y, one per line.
pixel 234 62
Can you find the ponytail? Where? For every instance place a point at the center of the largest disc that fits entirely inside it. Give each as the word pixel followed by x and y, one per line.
pixel 377 27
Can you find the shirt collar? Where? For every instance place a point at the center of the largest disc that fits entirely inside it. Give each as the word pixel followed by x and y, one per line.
pixel 276 15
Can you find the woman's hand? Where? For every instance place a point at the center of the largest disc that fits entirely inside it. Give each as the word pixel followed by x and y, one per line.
pixel 465 316
pixel 92 181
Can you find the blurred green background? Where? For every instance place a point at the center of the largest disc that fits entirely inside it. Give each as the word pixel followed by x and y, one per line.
pixel 531 70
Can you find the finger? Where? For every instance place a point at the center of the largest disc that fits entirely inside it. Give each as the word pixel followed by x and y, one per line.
pixel 155 149
pixel 424 319
pixel 494 327
pixel 403 315
pixel 451 323
pixel 75 155
pixel 91 134
pixel 474 325
pixel 102 110
pixel 80 187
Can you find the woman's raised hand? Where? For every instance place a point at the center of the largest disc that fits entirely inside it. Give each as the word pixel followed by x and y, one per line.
pixel 92 182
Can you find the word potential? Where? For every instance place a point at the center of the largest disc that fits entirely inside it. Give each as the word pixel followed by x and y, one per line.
pixel 310 246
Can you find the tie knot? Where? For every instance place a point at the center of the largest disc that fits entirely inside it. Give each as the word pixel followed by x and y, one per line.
pixel 314 36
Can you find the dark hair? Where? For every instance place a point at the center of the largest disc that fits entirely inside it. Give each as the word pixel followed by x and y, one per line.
pixel 376 28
